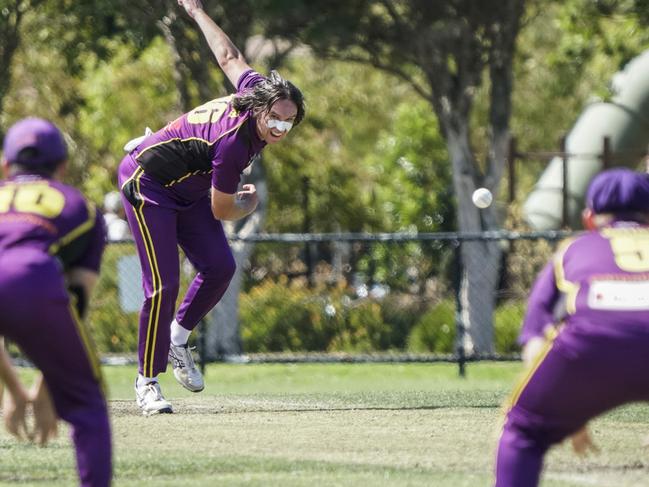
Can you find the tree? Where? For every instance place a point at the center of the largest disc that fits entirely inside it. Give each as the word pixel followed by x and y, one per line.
pixel 12 13
pixel 443 50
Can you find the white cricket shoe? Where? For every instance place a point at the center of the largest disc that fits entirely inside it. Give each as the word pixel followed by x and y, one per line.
pixel 150 399
pixel 185 370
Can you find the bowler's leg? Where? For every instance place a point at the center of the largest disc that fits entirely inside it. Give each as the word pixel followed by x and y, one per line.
pixel 203 240
pixel 154 231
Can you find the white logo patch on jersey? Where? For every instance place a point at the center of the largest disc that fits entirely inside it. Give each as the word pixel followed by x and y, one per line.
pixel 619 295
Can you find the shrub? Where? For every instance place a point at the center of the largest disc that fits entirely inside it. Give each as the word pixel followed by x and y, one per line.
pixel 401 312
pixel 361 329
pixel 507 324
pixel 276 317
pixel 435 331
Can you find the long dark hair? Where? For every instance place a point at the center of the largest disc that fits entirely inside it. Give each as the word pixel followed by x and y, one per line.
pixel 263 95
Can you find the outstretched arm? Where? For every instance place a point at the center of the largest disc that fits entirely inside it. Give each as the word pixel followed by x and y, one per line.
pixel 226 53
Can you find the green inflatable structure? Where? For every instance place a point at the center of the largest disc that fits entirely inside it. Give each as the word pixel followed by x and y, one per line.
pixel 624 120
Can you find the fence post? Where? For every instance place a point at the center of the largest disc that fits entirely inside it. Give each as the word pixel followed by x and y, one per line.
pixel 307 229
pixel 202 344
pixel 564 186
pixel 511 163
pixel 606 153
pixel 459 322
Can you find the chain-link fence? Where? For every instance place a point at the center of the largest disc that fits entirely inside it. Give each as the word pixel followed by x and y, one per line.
pixel 350 297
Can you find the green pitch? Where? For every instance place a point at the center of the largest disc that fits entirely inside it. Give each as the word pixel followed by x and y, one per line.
pixel 328 425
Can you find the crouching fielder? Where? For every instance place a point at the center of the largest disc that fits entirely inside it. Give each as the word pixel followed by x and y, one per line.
pixel 597 287
pixel 51 242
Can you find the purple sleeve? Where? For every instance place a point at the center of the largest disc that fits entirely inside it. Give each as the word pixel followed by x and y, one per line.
pixel 226 164
pixel 540 305
pixel 248 79
pixel 91 258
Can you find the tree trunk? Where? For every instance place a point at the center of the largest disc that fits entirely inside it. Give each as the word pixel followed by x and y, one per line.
pixel 10 20
pixel 480 259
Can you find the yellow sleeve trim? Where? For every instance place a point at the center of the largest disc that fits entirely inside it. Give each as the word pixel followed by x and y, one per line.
pixel 76 232
pixel 569 288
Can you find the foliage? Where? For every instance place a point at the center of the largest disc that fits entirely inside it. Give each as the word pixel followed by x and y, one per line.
pixel 131 90
pixel 508 318
pixel 278 316
pixel 435 330
pixel 275 317
pixel 411 159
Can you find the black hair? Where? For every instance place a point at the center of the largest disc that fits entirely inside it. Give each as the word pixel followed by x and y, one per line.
pixel 263 95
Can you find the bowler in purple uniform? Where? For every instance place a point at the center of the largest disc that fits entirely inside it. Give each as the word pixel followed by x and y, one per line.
pixel 51 242
pixel 178 184
pixel 586 331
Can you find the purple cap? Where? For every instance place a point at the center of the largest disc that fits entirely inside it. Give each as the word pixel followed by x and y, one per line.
pixel 42 136
pixel 619 191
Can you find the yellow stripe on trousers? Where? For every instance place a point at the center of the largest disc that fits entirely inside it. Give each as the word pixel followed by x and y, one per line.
pixel 550 337
pixel 89 347
pixel 156 296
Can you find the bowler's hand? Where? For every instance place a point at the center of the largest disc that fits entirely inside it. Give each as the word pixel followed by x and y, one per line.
pixel 247 199
pixel 191 6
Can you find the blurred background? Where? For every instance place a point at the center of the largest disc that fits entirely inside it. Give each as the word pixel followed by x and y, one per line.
pixel 360 244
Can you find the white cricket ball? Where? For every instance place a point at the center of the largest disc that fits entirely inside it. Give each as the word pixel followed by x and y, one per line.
pixel 482 197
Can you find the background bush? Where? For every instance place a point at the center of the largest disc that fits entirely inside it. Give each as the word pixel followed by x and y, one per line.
pixel 508 318
pixel 287 316
pixel 435 330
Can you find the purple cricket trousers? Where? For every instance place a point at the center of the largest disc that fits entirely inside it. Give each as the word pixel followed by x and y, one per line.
pixel 36 314
pixel 583 375
pixel 161 221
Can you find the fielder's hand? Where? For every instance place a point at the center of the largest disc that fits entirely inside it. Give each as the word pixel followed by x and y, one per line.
pixel 45 418
pixel 13 411
pixel 532 349
pixel 582 442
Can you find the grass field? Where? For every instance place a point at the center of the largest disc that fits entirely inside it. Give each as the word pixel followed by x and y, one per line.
pixel 328 425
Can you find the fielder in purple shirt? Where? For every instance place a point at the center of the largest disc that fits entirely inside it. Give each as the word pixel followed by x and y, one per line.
pixel 586 331
pixel 178 184
pixel 51 243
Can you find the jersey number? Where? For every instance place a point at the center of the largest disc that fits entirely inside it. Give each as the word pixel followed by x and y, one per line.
pixel 631 251
pixel 38 198
pixel 209 112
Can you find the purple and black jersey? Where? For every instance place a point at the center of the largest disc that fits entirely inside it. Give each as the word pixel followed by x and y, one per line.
pixel 42 214
pixel 598 283
pixel 208 146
